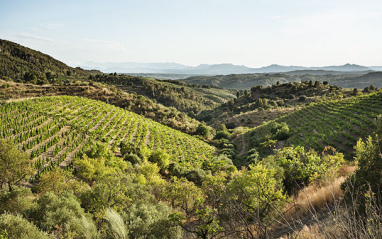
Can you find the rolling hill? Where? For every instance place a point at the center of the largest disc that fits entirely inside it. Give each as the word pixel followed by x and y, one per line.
pixel 336 123
pixel 17 60
pixel 353 79
pixel 184 97
pixel 55 130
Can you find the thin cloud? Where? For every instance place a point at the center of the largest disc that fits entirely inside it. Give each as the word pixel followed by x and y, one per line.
pixel 33 37
pixel 109 45
pixel 50 26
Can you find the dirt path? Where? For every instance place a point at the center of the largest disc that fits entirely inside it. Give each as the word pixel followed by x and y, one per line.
pixel 244 145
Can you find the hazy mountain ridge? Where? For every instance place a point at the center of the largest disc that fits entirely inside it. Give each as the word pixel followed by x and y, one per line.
pixel 214 69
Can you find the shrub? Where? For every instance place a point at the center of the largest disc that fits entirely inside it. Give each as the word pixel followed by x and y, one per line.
pixel 52 210
pixel 132 158
pixel 222 135
pixel 368 174
pixel 280 131
pixel 302 98
pixel 302 167
pixel 161 158
pixel 18 227
pixel 16 201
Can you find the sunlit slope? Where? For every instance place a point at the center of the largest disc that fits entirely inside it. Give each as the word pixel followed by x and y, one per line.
pixel 336 123
pixel 54 130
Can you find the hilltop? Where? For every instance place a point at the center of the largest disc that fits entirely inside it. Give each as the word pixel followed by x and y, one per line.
pixel 21 63
pixel 252 107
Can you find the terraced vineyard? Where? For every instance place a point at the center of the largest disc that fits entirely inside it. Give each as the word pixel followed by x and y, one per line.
pixel 337 123
pixel 55 130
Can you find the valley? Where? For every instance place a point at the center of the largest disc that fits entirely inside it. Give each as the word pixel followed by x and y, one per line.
pixel 87 154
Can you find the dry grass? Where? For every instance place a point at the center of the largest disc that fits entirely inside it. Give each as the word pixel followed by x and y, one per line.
pixel 314 197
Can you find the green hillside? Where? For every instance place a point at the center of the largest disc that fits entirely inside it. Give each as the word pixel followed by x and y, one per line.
pixel 358 80
pixel 258 104
pixel 21 63
pixel 336 123
pixel 190 98
pixel 54 130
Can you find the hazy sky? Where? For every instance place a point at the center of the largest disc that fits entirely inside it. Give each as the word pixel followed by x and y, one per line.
pixel 244 32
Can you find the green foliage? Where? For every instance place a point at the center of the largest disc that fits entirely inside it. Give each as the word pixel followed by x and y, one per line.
pixel 108 192
pixel 16 201
pixel 94 169
pixel 219 163
pixel 161 158
pixel 150 220
pixel 335 123
pixel 367 177
pixel 100 150
pixel 17 227
pixel 128 148
pixel 203 130
pixel 187 98
pixel 280 131
pixel 176 194
pixel 301 167
pixel 222 135
pixel 14 165
pixel 256 193
pixel 51 210
pixel 59 181
pixel 17 60
pixel 132 158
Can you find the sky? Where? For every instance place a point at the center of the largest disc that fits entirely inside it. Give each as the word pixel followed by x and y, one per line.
pixel 254 33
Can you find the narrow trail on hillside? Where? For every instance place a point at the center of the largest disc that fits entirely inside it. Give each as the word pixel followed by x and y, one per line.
pixel 244 147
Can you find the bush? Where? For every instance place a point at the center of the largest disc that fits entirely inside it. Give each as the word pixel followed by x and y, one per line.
pixel 132 158
pixel 302 167
pixel 302 98
pixel 18 227
pixel 52 210
pixel 280 131
pixel 222 135
pixel 161 158
pixel 195 175
pixel 150 220
pixel 16 201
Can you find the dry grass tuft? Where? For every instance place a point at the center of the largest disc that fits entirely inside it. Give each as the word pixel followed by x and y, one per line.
pixel 314 197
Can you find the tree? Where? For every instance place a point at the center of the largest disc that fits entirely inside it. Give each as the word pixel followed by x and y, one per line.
pixel 59 181
pixel 253 197
pixel 14 165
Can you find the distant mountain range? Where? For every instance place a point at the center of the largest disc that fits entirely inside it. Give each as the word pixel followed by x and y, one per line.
pixel 218 69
